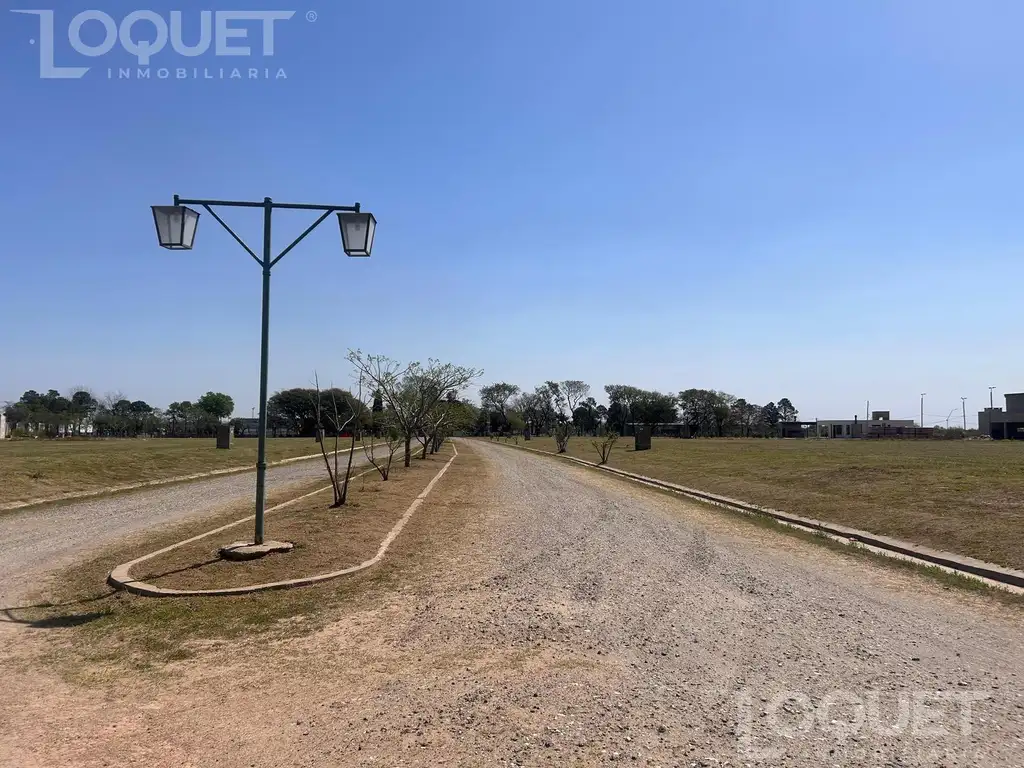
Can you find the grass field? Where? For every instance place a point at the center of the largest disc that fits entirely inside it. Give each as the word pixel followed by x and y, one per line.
pixel 964 497
pixel 34 469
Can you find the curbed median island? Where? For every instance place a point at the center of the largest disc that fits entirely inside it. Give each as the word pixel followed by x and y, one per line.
pixel 326 541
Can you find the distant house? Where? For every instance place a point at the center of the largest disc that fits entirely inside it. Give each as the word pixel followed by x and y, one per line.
pixel 1004 425
pixel 247 427
pixel 675 429
pixel 793 429
pixel 3 426
pixel 878 426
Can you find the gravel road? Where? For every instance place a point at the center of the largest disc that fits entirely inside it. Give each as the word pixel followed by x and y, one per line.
pixel 544 614
pixel 39 539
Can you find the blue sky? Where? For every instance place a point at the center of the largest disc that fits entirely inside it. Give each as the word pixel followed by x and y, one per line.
pixel 799 199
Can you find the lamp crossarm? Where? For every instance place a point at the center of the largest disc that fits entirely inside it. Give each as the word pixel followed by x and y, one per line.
pixel 251 204
pixel 232 233
pixel 302 237
pixel 327 210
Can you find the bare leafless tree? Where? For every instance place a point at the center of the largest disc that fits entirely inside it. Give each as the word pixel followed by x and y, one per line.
pixel 381 452
pixel 604 445
pixel 338 484
pixel 413 391
pixel 386 438
pixel 574 391
pixel 562 432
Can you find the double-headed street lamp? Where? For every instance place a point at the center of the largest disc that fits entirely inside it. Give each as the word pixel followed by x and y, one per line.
pixel 176 231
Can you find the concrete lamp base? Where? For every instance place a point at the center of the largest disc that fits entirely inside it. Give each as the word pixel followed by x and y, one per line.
pixel 246 550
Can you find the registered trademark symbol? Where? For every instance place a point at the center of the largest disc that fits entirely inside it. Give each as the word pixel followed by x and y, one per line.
pixel 311 16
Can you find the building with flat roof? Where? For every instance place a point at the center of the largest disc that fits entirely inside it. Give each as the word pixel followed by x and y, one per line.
pixel 879 425
pixel 1002 424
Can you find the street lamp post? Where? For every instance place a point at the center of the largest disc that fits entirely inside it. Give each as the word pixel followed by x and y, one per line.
pixel 922 407
pixel 176 230
pixel 991 405
pixel 963 402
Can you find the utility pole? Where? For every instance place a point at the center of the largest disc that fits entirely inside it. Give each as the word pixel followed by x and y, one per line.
pixel 867 411
pixel 963 401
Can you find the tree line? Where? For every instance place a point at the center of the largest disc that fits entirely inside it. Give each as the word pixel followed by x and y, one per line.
pixel 393 404
pixel 80 413
pixel 689 413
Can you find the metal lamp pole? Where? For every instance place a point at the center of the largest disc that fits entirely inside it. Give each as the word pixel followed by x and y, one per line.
pixel 922 407
pixel 991 404
pixel 963 402
pixel 357 231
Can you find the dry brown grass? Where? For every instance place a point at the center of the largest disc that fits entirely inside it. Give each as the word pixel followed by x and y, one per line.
pixel 106 633
pixel 325 539
pixel 35 469
pixel 960 496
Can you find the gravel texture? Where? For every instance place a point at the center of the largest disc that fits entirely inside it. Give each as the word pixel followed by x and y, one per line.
pixel 39 539
pixel 574 619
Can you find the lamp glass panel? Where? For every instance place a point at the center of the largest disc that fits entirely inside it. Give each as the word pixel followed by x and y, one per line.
pixel 168 224
pixel 188 235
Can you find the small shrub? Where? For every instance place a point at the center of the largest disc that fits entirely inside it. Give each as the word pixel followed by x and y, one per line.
pixel 562 433
pixel 604 445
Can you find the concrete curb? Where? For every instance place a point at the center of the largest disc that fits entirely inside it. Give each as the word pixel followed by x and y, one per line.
pixel 883 544
pixel 120 577
pixel 13 506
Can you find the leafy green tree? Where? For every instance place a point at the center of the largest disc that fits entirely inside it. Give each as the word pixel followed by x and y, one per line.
pixel 617 417
pixel 141 413
pixel 747 415
pixel 83 406
pixel 294 410
pixel 625 395
pixel 175 414
pixel 217 404
pixel 495 397
pixel 651 407
pixel 698 411
pixel 586 417
pixel 770 420
pixel 786 410
pixel 516 422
